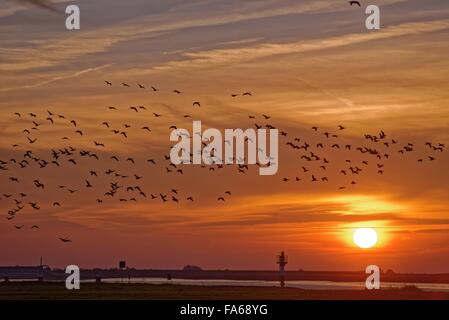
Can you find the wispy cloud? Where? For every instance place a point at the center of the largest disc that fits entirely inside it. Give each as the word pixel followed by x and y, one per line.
pixel 55 51
pixel 45 4
pixel 57 78
pixel 223 56
pixel 11 7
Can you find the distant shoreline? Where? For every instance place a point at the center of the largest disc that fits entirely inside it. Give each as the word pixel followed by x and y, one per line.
pixel 336 276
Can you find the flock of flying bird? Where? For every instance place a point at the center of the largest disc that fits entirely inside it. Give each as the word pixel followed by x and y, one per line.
pixel 125 187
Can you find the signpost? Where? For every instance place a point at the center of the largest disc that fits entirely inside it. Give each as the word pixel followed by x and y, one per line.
pixel 122 267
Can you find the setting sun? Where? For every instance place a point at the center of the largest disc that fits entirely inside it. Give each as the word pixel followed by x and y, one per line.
pixel 365 237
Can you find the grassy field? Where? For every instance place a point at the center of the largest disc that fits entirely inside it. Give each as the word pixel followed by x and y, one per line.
pixel 57 291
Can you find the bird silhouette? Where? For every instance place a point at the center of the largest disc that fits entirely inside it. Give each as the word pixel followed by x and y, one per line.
pixel 98 144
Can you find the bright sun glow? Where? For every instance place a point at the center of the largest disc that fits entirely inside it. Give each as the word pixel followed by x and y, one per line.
pixel 365 237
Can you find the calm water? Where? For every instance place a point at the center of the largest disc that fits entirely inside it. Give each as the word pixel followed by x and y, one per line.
pixel 311 285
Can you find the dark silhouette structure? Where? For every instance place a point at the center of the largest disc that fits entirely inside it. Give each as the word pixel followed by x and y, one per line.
pixel 282 261
pixel 23 272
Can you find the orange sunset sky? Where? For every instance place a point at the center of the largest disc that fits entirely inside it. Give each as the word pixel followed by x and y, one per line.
pixel 306 63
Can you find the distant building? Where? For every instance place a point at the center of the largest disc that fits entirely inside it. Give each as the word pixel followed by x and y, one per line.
pixel 23 272
pixel 191 268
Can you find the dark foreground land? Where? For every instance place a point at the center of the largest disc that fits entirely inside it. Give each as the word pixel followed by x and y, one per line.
pixel 57 291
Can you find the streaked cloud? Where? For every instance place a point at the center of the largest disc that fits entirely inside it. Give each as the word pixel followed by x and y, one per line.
pixel 57 78
pixel 224 56
pixel 45 4
pixel 56 51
